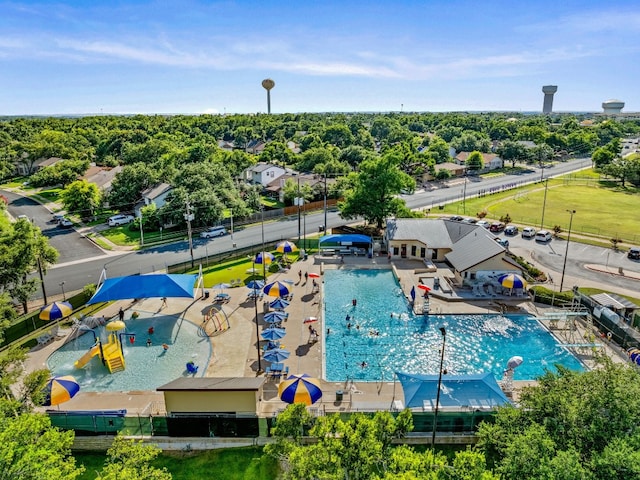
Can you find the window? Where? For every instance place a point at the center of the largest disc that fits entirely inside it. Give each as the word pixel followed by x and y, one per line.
pixel 396 250
pixel 423 252
pixel 413 250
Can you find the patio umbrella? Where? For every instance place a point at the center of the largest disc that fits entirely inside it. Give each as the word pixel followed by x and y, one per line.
pixel 512 280
pixel 514 362
pixel 252 270
pixel 279 304
pixel 300 389
pixel 290 282
pixel 56 311
pixel 273 333
pixel 115 325
pixel 60 389
pixel 274 317
pixel 314 275
pixel 255 284
pixel 264 257
pixel 424 287
pixel 221 286
pixel 310 320
pixel 276 289
pixel 276 355
pixel 286 247
pixel 413 293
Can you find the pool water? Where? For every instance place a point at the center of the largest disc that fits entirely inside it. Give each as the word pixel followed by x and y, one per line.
pixel 411 343
pixel 147 367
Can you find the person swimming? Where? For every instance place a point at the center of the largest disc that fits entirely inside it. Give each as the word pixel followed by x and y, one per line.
pixel 364 364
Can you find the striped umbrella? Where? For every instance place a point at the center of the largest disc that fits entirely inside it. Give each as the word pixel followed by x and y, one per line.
pixel 276 289
pixel 512 281
pixel 56 311
pixel 286 247
pixel 274 317
pixel 279 304
pixel 300 389
pixel 264 257
pixel 255 284
pixel 60 389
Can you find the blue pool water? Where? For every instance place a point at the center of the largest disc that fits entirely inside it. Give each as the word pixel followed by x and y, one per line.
pixel 411 343
pixel 146 367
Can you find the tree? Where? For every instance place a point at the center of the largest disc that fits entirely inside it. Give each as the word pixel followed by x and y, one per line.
pixel 374 194
pixel 131 460
pixel 81 197
pixel 571 425
pixel 31 449
pixel 513 152
pixel 624 169
pixel 128 185
pixel 475 161
pixel 469 141
pixel 602 156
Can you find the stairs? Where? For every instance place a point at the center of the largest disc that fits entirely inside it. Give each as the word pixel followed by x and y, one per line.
pixel 113 358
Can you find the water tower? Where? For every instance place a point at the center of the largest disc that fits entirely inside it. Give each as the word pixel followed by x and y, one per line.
pixel 548 90
pixel 611 107
pixel 268 84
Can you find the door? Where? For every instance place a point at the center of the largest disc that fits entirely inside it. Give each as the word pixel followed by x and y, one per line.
pixel 403 250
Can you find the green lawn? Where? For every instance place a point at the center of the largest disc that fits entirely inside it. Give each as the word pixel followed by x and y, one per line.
pixel 606 212
pixel 224 464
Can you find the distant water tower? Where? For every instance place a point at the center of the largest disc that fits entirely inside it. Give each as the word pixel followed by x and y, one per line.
pixel 548 90
pixel 611 107
pixel 268 84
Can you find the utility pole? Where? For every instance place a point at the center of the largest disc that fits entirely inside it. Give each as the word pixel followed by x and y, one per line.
pixel 325 203
pixel 188 217
pixel 566 250
pixel 297 202
pixel 544 202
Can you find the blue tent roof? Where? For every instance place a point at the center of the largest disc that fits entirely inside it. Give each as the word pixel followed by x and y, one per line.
pixel 145 286
pixel 479 391
pixel 344 239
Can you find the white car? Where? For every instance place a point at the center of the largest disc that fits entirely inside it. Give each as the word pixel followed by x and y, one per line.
pixel 483 224
pixel 118 220
pixel 528 232
pixel 213 232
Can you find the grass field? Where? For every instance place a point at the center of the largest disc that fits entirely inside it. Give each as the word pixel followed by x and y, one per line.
pixel 225 464
pixel 600 210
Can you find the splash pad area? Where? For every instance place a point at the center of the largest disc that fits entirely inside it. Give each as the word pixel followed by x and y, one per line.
pixel 147 366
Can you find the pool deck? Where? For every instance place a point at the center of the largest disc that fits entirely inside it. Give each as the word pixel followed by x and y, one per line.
pixel 235 354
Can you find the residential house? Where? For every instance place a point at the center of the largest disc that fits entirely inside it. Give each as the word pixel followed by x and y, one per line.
pixel 454 169
pixel 24 166
pixel 470 250
pixel 263 173
pixel 491 161
pixel 102 177
pixel 226 146
pixel 155 195
pixel 276 187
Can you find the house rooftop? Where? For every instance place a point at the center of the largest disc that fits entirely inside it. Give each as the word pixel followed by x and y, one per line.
pixel 219 384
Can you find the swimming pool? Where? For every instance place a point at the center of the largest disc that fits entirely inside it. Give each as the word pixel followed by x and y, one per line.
pixel 147 367
pixel 411 343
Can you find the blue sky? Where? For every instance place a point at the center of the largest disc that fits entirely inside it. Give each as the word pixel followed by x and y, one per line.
pixel 211 56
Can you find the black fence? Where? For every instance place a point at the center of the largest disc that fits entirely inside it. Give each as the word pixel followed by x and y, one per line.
pixel 213 425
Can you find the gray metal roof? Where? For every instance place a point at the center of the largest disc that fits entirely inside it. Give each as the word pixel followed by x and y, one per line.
pixel 434 233
pixel 473 249
pixel 219 384
pixel 611 299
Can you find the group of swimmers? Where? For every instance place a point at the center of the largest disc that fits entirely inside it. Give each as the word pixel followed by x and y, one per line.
pixel 150 331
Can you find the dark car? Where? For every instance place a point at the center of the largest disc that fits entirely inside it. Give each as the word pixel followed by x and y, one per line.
pixel 511 230
pixel 65 223
pixel 634 253
pixel 496 227
pixel 456 218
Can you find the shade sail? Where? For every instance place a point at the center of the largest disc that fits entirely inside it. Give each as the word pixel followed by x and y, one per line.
pixel 480 391
pixel 145 286
pixel 344 239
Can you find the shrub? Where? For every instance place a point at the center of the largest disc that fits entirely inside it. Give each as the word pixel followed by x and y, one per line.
pixel 481 214
pixel 89 290
pixel 506 219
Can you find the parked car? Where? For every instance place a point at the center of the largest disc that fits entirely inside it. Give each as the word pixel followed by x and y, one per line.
pixel 65 223
pixel 511 230
pixel 543 236
pixel 58 217
pixel 213 232
pixel 634 253
pixel 118 220
pixel 502 241
pixel 469 220
pixel 456 218
pixel 483 223
pixel 496 227
pixel 528 232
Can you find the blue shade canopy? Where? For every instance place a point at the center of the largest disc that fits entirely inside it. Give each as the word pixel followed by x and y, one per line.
pixel 300 389
pixel 145 286
pixel 279 304
pixel 479 391
pixel 344 239
pixel 273 333
pixel 276 355
pixel 56 311
pixel 274 317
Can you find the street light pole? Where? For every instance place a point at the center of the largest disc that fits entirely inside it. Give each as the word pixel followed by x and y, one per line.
pixel 325 202
pixel 566 251
pixel 544 202
pixel 188 217
pixel 264 260
pixel 64 297
pixel 435 415
pixel 464 195
pixel 255 304
pixel 297 202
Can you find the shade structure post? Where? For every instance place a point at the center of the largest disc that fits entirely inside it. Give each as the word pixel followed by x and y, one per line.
pixel 435 414
pixel 566 250
pixel 255 304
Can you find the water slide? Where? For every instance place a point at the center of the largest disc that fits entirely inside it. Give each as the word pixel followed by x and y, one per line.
pixel 82 361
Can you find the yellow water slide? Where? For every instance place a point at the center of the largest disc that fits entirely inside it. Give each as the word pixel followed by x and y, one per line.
pixel 83 360
pixel 112 354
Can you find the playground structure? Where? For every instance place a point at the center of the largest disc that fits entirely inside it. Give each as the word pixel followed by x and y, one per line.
pixel 215 321
pixel 110 354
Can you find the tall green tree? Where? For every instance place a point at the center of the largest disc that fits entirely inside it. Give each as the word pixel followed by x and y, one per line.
pixel 129 459
pixel 374 196
pixel 81 197
pixel 475 161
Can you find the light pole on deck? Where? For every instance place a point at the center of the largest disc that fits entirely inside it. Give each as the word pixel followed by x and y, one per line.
pixel 566 250
pixel 435 415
